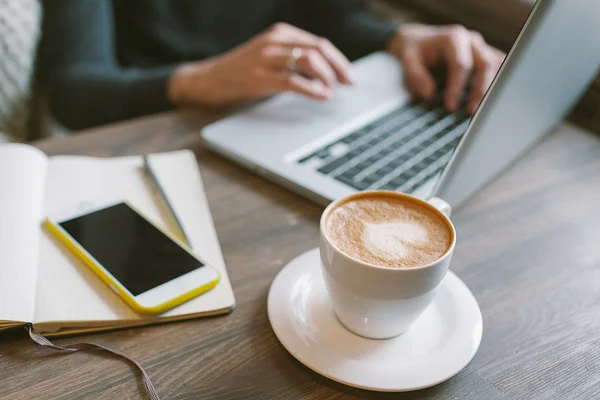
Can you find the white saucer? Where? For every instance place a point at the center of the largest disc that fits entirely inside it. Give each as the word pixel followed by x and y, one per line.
pixel 438 346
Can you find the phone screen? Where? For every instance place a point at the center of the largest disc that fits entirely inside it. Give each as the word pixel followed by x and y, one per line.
pixel 133 250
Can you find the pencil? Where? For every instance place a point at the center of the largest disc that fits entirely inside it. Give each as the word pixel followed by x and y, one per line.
pixel 159 190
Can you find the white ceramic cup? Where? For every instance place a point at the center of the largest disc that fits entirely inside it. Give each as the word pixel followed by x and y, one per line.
pixel 381 302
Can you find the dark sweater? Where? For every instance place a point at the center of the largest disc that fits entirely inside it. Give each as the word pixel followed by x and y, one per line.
pixel 108 60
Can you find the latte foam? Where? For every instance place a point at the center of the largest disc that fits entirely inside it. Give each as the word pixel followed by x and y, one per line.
pixel 388 230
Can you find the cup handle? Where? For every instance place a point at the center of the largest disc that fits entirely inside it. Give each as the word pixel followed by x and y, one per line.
pixel 441 205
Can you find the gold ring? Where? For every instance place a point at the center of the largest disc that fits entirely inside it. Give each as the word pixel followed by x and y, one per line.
pixel 292 60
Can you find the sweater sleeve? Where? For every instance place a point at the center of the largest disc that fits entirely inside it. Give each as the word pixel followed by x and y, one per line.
pixel 348 24
pixel 85 83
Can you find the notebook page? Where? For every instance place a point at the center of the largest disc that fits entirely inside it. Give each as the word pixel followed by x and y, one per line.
pixel 22 175
pixel 67 290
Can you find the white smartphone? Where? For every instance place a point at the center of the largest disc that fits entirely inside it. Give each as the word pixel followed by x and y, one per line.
pixel 150 270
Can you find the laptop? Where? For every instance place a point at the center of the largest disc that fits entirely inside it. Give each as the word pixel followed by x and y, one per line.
pixel 373 135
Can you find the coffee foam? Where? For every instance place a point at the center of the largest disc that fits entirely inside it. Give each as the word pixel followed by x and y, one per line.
pixel 388 230
pixel 392 238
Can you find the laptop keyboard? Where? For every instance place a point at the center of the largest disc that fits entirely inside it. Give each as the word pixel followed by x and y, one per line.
pixel 400 151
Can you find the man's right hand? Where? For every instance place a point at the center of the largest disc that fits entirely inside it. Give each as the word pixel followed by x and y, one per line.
pixel 261 67
pixel 421 47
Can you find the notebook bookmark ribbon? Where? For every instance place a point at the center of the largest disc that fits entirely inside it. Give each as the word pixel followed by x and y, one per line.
pixel 42 341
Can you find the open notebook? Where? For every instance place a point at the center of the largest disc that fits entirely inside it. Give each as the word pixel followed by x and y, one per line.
pixel 42 283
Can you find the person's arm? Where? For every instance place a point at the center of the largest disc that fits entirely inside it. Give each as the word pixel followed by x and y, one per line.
pixel 348 24
pixel 85 84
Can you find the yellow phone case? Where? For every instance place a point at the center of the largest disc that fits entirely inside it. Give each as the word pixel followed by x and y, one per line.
pixel 127 297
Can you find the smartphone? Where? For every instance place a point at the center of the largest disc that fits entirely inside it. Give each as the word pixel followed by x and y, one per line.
pixel 141 263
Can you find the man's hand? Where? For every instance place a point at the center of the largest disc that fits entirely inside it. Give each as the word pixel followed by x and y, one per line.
pixel 421 47
pixel 261 67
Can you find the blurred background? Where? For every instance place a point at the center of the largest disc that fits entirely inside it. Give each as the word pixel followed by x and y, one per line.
pixel 24 116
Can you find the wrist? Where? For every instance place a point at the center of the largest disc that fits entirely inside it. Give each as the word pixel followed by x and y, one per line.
pixel 404 32
pixel 394 43
pixel 187 81
pixel 177 83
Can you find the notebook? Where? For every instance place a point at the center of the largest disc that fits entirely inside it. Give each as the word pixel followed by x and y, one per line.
pixel 44 284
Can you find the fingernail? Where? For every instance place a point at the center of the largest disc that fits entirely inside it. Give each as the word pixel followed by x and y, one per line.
pixel 326 92
pixel 350 79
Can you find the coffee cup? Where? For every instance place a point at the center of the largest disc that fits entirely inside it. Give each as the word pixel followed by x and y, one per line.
pixel 370 298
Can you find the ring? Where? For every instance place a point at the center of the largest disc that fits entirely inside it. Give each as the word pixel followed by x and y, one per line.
pixel 292 60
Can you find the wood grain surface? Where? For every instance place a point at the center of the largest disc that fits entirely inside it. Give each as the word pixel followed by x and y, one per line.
pixel 528 247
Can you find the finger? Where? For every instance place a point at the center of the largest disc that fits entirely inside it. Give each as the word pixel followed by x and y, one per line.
pixel 341 65
pixel 485 71
pixel 459 57
pixel 338 62
pixel 498 57
pixel 290 36
pixel 284 81
pixel 416 73
pixel 313 64
pixel 310 63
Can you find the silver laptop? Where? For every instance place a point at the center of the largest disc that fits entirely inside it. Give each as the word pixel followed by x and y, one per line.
pixel 374 136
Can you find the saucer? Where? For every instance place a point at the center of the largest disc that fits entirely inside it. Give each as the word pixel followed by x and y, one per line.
pixel 436 347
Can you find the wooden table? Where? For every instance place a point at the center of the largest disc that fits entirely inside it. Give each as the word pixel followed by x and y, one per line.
pixel 529 249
